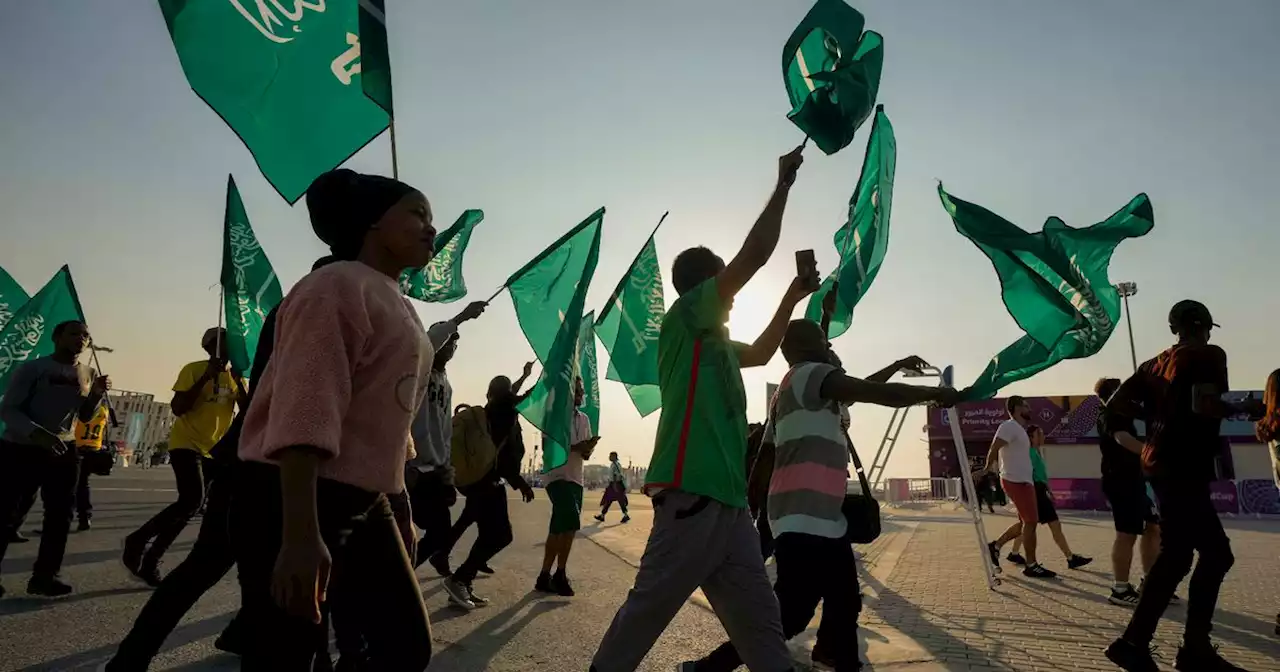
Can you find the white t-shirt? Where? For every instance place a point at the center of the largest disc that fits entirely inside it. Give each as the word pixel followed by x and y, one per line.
pixel 572 469
pixel 1015 455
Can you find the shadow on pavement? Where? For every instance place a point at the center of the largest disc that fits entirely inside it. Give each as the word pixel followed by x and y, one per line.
pixel 182 635
pixel 24 565
pixel 477 649
pixel 23 604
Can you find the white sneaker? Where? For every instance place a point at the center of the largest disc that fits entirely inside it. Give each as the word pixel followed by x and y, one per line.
pixel 459 594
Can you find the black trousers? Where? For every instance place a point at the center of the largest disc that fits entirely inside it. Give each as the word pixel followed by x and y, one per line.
pixel 192 472
pixel 205 565
pixel 430 498
pixel 370 568
pixel 1188 524
pixel 811 569
pixel 84 505
pixel 487 507
pixel 31 469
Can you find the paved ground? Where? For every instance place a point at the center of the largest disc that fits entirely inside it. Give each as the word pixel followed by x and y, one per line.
pixel 928 607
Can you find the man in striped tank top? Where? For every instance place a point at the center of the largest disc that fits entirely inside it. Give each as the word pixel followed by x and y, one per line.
pixel 806 493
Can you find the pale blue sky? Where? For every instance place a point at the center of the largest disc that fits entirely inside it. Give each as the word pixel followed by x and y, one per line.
pixel 539 112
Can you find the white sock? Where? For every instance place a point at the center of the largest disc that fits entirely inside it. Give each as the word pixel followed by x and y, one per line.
pixel 1121 586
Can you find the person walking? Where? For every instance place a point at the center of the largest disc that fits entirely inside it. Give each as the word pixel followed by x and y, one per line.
pixel 564 489
pixel 89 437
pixel 1268 431
pixel 1178 394
pixel 326 440
pixel 615 490
pixel 429 476
pixel 702 534
pixel 1046 512
pixel 205 397
pixel 44 398
pixel 1125 487
pixel 1013 446
pixel 815 559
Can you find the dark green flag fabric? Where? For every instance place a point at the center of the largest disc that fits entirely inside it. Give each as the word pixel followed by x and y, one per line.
pixel 12 296
pixel 250 288
pixel 629 327
pixel 863 241
pixel 541 407
pixel 831 70
pixel 28 334
pixel 441 281
pixel 549 294
pixel 285 76
pixel 1054 284
pixel 375 61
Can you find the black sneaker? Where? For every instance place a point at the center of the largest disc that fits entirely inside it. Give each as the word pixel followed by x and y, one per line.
pixel 84 526
pixel 1038 571
pixel 1203 658
pixel 1017 559
pixel 1076 561
pixel 17 538
pixel 1124 598
pixel 149 573
pixel 132 556
pixel 543 584
pixel 1277 618
pixel 48 586
pixel 1131 657
pixel 476 599
pixel 820 657
pixel 485 569
pixel 995 557
pixel 229 643
pixel 560 583
pixel 440 563
pixel 459 594
pixel 626 519
pixel 599 517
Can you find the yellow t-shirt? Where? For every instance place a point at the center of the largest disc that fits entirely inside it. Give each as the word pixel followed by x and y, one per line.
pixel 201 427
pixel 89 435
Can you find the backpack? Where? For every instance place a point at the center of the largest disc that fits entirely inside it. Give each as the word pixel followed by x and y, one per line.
pixel 473 452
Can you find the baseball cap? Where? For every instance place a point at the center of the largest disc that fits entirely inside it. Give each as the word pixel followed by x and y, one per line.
pixel 1189 313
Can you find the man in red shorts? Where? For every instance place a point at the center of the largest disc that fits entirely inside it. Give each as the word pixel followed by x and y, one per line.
pixel 1013 446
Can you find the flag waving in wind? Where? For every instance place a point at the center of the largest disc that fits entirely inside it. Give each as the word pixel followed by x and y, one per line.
pixel 1054 284
pixel 629 327
pixel 286 81
pixel 12 296
pixel 832 73
pixel 864 239
pixel 28 334
pixel 549 294
pixel 250 288
pixel 441 281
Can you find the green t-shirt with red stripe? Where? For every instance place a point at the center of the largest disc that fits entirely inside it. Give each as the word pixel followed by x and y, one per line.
pixel 701 446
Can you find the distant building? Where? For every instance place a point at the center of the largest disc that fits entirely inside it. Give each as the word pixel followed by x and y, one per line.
pixel 156 419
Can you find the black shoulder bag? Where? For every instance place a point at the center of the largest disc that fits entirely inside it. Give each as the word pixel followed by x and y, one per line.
pixel 861 511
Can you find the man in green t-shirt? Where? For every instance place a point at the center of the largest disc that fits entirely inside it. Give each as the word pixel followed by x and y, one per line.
pixel 1047 513
pixel 703 535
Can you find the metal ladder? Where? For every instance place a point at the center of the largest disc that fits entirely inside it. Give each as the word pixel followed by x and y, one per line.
pixel 891 433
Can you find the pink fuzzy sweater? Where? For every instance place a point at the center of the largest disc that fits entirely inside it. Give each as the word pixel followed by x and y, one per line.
pixel 348 373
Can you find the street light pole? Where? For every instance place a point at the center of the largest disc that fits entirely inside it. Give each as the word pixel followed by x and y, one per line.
pixel 1128 289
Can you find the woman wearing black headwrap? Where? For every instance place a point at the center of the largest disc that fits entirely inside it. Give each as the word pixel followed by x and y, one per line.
pixel 325 441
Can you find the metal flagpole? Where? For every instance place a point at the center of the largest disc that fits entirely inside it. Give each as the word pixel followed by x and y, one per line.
pixel 395 159
pixel 966 481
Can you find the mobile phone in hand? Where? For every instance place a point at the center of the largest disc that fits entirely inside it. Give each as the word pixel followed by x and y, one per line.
pixel 807 267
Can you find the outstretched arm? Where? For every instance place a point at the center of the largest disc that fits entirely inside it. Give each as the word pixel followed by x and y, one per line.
pixel 846 389
pixel 763 238
pixel 766 345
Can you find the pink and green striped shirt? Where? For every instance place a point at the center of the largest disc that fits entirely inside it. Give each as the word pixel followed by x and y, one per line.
pixel 811 464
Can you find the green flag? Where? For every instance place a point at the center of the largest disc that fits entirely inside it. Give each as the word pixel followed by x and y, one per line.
pixel 1054 284
pixel 832 73
pixel 629 327
pixel 545 288
pixel 864 239
pixel 540 406
pixel 12 296
pixel 549 294
pixel 375 62
pixel 250 288
pixel 283 76
pixel 441 280
pixel 28 334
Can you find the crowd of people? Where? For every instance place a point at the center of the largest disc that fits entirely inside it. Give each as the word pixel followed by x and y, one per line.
pixel 336 478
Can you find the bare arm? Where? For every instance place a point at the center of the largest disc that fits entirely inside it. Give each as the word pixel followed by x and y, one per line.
pixel 185 400
pixel 766 345
pixel 299 469
pixel 883 375
pixel 846 389
pixel 1128 442
pixel 996 445
pixel 524 376
pixel 763 238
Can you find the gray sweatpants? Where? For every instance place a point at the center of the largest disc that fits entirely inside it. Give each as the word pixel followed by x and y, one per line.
pixel 698 542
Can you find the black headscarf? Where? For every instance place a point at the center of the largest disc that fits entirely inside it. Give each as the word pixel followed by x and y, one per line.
pixel 344 205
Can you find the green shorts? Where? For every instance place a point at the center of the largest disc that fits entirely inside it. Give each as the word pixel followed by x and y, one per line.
pixel 566 506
